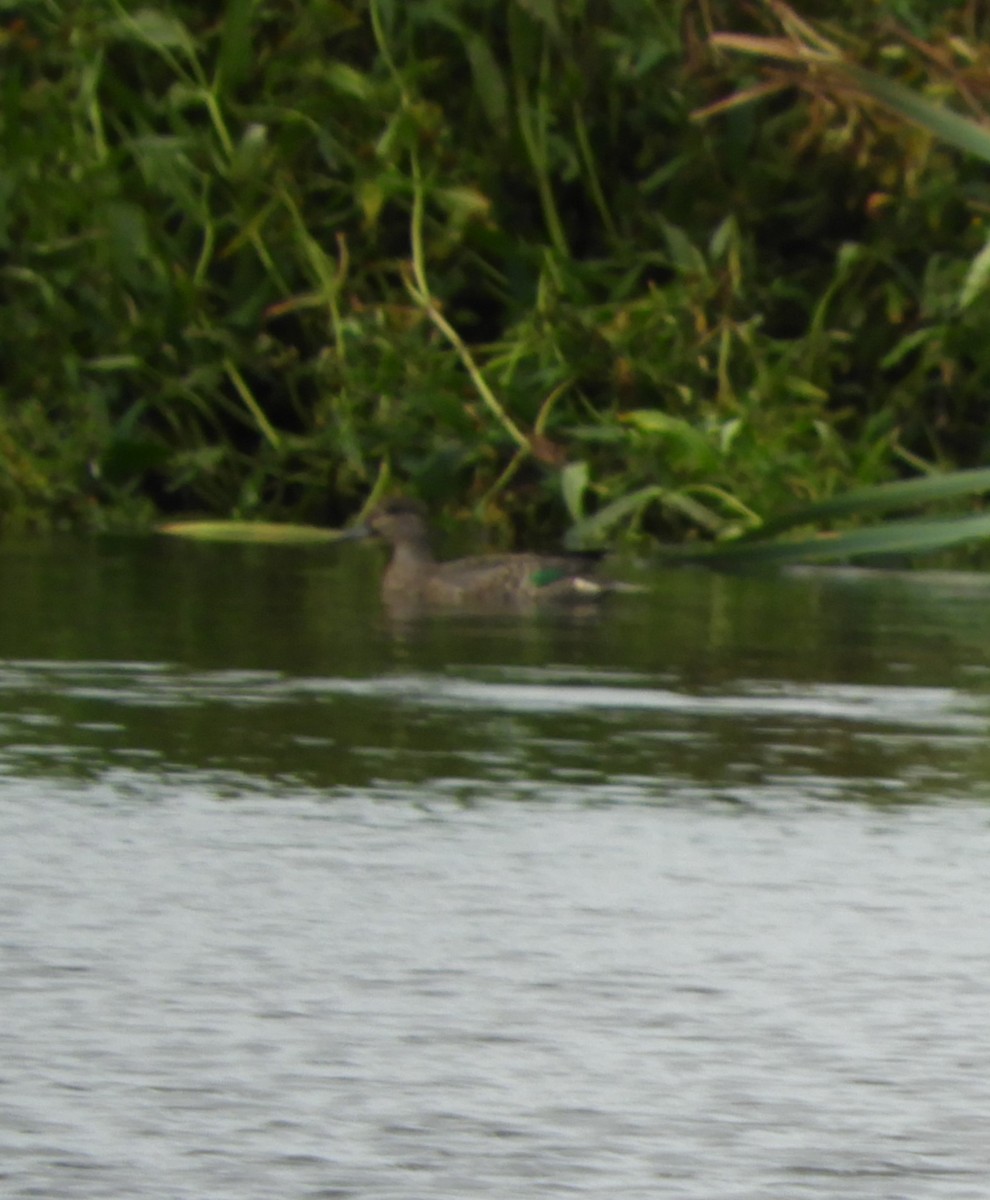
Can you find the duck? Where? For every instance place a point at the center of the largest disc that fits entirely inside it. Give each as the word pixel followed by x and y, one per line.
pixel 416 578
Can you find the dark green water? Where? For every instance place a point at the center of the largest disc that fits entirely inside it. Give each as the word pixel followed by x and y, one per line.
pixel 279 664
pixel 684 899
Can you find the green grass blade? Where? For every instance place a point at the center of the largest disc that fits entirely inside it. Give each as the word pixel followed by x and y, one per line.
pixel 590 532
pixel 234 59
pixel 894 537
pixel 883 498
pixel 959 131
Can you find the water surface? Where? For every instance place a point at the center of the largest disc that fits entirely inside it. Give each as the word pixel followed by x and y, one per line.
pixel 686 900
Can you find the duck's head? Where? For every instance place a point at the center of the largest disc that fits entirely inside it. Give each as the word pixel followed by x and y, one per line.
pixel 397 520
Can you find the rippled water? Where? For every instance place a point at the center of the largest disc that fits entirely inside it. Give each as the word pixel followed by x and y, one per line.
pixel 687 901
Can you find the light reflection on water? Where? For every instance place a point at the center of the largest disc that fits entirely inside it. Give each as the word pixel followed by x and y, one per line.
pixel 495 914
pixel 417 998
pixel 580 734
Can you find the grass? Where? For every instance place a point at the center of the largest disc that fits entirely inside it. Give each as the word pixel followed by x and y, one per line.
pixel 639 268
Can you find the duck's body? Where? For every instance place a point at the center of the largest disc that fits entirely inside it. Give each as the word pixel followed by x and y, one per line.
pixel 414 577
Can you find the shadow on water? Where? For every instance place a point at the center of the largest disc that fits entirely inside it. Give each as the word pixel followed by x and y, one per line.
pixel 274 667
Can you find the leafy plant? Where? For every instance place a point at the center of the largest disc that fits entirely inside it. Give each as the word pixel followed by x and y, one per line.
pixel 260 260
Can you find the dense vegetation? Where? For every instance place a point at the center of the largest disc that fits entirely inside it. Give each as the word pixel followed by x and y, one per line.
pixel 261 261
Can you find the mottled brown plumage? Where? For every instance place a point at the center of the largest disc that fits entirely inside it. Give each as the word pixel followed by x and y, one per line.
pixel 414 577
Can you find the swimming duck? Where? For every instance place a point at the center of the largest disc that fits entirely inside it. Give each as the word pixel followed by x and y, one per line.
pixel 415 577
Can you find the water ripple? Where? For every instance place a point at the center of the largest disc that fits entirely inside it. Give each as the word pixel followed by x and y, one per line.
pixel 162 685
